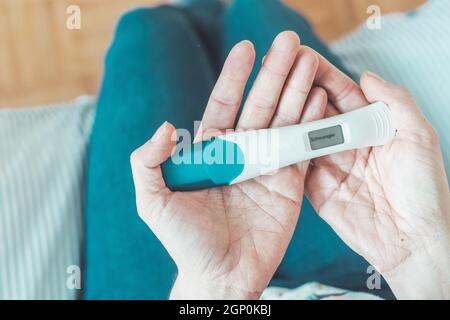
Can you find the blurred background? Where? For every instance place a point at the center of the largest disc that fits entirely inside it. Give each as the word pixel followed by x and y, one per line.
pixel 41 61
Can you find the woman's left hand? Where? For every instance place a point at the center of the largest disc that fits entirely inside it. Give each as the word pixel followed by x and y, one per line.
pixel 228 242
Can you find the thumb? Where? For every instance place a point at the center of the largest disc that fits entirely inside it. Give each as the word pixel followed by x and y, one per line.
pixel 146 161
pixel 406 114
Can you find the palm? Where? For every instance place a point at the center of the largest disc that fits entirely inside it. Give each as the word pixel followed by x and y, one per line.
pixel 234 233
pixel 373 200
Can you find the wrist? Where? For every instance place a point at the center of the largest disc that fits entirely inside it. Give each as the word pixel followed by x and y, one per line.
pixel 194 288
pixel 423 275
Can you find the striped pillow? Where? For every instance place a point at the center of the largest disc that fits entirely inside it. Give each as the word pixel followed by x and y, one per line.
pixel 412 50
pixel 42 165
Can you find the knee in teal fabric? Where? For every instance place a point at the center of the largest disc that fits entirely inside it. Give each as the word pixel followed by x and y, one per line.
pixel 159 58
pixel 155 71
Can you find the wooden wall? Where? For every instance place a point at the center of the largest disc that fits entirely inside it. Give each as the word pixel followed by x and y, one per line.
pixel 41 61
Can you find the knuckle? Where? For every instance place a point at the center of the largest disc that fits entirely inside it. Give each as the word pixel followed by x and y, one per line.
pixel 261 103
pixel 140 213
pixel 297 88
pixel 402 94
pixel 432 133
pixel 287 118
pixel 346 91
pixel 273 71
pixel 426 134
pixel 319 92
pixel 224 101
pixel 310 54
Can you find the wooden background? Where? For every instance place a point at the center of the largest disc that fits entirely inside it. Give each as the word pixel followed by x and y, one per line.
pixel 41 61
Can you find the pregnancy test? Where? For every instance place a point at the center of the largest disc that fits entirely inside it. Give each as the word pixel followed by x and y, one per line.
pixel 241 156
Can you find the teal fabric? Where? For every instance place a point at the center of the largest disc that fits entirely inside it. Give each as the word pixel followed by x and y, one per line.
pixel 162 66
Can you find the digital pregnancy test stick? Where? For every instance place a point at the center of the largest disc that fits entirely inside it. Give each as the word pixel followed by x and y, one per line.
pixel 237 157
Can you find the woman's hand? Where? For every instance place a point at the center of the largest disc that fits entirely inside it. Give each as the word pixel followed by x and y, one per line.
pixel 390 204
pixel 227 242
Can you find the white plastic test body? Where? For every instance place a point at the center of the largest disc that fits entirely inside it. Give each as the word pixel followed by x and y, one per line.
pixel 369 126
pixel 262 152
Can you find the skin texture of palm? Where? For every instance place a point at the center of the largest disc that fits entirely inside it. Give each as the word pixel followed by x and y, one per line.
pixel 370 197
pixel 229 231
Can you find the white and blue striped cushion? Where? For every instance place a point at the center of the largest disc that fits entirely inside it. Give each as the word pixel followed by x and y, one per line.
pixel 412 50
pixel 42 165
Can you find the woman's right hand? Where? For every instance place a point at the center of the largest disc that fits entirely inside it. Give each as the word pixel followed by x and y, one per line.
pixel 390 204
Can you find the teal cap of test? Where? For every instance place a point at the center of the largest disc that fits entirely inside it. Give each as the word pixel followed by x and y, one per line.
pixel 213 163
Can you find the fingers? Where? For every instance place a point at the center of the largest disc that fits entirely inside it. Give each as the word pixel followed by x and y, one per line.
pixel 146 161
pixel 265 93
pixel 406 114
pixel 227 95
pixel 342 91
pixel 297 89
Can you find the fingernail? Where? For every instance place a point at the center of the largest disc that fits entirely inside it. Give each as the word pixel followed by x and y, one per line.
pixel 243 45
pixel 160 132
pixel 375 76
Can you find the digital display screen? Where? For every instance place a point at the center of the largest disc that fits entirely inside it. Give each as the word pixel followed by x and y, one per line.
pixel 325 138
